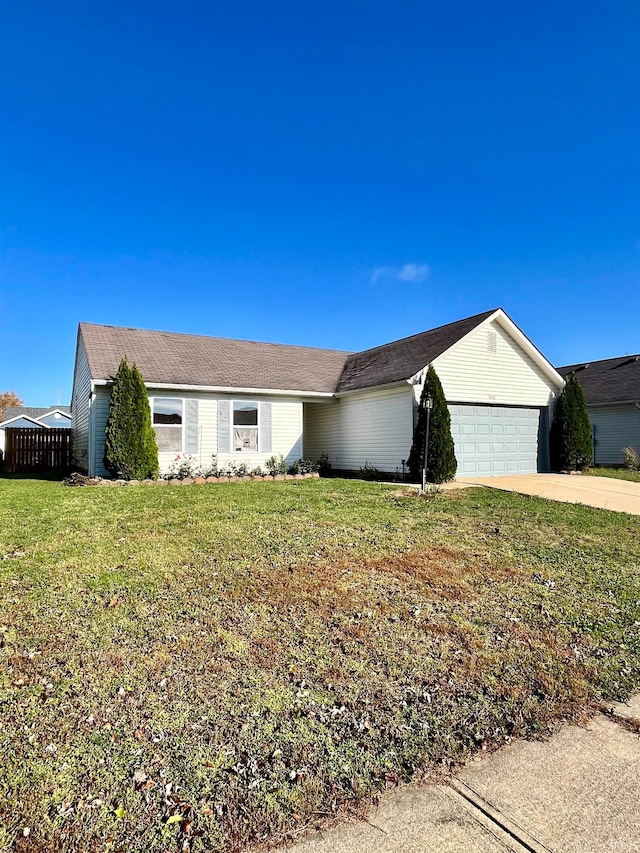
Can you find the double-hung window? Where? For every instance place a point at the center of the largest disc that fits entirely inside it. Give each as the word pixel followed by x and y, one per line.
pixel 167 423
pixel 245 427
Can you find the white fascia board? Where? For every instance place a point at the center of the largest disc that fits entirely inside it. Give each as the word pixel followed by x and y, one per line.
pixel 223 389
pixel 5 424
pixel 600 405
pixel 371 388
pixel 54 412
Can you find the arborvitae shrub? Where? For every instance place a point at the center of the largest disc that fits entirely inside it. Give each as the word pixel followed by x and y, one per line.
pixel 570 437
pixel 130 450
pixel 441 458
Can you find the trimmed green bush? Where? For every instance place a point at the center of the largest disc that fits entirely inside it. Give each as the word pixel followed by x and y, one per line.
pixel 570 437
pixel 441 458
pixel 130 450
pixel 276 465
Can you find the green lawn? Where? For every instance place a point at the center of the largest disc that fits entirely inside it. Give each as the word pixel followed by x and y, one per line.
pixel 616 473
pixel 210 667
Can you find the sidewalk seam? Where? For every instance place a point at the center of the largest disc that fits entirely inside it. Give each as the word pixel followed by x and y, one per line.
pixel 507 825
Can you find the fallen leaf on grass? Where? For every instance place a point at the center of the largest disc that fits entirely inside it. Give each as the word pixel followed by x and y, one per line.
pixel 139 779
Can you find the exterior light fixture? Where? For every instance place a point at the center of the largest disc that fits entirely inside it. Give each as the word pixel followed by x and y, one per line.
pixel 429 406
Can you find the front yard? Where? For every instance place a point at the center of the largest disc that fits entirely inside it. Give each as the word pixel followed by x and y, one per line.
pixel 211 667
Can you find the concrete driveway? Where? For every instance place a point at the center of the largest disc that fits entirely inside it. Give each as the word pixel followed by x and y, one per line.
pixel 602 492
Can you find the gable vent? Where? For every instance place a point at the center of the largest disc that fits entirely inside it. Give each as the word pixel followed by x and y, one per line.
pixel 492 341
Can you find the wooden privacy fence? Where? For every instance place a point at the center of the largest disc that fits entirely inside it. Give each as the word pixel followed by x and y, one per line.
pixel 27 450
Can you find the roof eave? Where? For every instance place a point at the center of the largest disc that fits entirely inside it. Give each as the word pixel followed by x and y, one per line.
pixel 226 389
pixel 519 337
pixel 632 402
pixel 365 388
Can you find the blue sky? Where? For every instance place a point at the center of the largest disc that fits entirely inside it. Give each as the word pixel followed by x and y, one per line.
pixel 334 174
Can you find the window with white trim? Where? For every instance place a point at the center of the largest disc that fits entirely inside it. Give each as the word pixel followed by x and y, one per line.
pixel 168 423
pixel 245 427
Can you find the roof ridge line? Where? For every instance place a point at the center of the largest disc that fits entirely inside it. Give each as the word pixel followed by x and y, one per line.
pixel 83 323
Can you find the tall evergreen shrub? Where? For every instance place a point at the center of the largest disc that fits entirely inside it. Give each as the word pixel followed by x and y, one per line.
pixel 570 437
pixel 130 450
pixel 441 458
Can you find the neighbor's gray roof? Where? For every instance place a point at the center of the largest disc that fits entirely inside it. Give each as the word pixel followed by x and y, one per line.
pixel 612 380
pixel 33 411
pixel 177 359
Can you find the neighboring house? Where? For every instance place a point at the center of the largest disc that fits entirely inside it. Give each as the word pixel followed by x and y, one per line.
pixel 35 417
pixel 612 391
pixel 245 401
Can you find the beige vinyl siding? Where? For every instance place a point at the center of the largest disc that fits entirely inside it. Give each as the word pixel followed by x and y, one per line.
pixel 80 408
pixel 616 427
pixel 371 426
pixel 322 430
pixel 471 372
pixel 286 429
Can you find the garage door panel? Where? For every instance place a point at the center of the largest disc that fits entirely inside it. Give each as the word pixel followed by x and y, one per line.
pixel 495 439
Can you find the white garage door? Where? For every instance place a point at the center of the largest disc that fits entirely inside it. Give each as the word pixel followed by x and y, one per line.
pixel 493 440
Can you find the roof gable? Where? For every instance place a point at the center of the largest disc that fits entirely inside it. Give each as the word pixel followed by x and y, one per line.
pixel 612 380
pixel 400 360
pixel 55 418
pixel 18 421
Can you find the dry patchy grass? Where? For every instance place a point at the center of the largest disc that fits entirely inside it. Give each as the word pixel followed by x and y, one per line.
pixel 217 667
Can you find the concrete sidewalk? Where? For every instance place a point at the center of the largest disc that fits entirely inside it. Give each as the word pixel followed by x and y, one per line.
pixel 602 492
pixel 578 792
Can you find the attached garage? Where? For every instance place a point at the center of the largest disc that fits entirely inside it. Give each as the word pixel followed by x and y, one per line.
pixel 494 440
pixel 499 387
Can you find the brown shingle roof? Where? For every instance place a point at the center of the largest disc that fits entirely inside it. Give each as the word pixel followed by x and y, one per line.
pixel 177 359
pixel 612 380
pixel 402 359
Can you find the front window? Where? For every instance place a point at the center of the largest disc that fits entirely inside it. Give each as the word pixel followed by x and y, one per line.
pixel 167 423
pixel 245 427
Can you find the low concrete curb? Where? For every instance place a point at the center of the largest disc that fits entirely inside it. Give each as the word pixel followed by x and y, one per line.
pixel 577 792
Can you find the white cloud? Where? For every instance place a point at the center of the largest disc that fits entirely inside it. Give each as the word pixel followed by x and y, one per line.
pixel 407 272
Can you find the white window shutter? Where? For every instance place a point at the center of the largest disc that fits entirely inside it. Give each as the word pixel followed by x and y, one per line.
pixel 191 426
pixel 224 436
pixel 264 437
